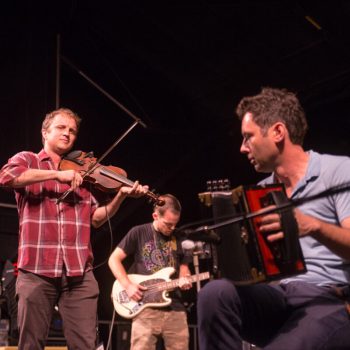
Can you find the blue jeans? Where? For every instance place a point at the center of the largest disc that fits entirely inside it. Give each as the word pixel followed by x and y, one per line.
pixel 293 316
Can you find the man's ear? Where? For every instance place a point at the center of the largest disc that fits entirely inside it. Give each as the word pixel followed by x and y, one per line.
pixel 279 131
pixel 155 215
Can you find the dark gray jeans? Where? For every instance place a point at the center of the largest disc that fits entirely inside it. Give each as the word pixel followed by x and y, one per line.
pixel 295 316
pixel 76 298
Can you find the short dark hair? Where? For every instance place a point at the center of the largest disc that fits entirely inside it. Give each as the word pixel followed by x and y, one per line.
pixel 272 105
pixel 171 203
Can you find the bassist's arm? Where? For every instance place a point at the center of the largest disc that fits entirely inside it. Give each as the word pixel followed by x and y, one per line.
pixel 133 290
pixel 117 267
pixel 184 273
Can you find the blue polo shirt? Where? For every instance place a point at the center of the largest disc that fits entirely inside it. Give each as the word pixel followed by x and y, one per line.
pixel 323 172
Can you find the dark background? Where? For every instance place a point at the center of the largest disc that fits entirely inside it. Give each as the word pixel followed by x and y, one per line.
pixel 179 66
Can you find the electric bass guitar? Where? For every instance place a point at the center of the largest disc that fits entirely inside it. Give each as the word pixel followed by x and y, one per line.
pixel 155 296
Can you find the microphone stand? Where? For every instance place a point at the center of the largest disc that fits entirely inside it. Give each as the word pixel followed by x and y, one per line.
pixel 137 121
pixel 196 269
pixel 104 92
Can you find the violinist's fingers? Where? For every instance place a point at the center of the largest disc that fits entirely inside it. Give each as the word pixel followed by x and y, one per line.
pixel 70 176
pixel 143 189
pixel 129 190
pixel 136 190
pixel 136 184
pixel 133 189
pixel 76 181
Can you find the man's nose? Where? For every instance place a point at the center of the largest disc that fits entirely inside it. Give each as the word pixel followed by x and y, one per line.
pixel 244 149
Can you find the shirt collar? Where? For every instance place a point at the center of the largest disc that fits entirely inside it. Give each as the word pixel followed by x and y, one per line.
pixel 313 171
pixel 43 155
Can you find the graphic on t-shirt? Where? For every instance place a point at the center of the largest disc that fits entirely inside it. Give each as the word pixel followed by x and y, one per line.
pixel 157 257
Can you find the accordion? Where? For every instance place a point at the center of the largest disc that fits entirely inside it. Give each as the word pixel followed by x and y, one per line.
pixel 244 254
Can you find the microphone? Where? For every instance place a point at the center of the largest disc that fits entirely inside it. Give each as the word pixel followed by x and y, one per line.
pixel 190 248
pixel 188 245
pixel 209 236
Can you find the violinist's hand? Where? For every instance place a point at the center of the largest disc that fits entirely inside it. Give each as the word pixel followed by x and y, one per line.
pixel 185 282
pixel 135 191
pixel 70 176
pixel 135 291
pixel 270 225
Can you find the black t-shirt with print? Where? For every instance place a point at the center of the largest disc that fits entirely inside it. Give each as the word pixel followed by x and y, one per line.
pixel 153 251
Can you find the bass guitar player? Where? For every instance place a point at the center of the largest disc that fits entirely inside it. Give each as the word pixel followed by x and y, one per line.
pixel 153 247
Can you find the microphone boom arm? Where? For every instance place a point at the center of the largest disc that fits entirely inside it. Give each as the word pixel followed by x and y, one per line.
pixel 290 203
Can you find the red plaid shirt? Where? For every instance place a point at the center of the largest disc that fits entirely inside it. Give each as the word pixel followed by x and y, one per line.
pixel 50 235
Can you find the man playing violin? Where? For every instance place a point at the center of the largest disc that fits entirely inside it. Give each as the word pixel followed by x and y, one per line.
pixel 54 255
pixel 306 311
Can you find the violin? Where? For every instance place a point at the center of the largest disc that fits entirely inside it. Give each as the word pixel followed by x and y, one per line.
pixel 105 178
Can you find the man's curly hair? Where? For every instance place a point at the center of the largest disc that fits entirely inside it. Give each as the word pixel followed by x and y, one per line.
pixel 273 105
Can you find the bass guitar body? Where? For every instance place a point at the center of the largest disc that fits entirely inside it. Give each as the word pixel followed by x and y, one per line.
pixel 155 296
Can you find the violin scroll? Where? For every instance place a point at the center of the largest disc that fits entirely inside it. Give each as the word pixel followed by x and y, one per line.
pixel 157 201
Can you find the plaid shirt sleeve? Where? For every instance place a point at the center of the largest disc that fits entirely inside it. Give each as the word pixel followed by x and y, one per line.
pixel 15 166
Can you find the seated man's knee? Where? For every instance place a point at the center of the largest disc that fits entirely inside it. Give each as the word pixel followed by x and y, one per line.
pixel 217 291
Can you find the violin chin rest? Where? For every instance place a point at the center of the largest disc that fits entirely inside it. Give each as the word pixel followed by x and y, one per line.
pixel 73 155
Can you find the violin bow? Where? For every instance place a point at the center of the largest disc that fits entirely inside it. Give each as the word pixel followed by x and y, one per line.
pixel 121 106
